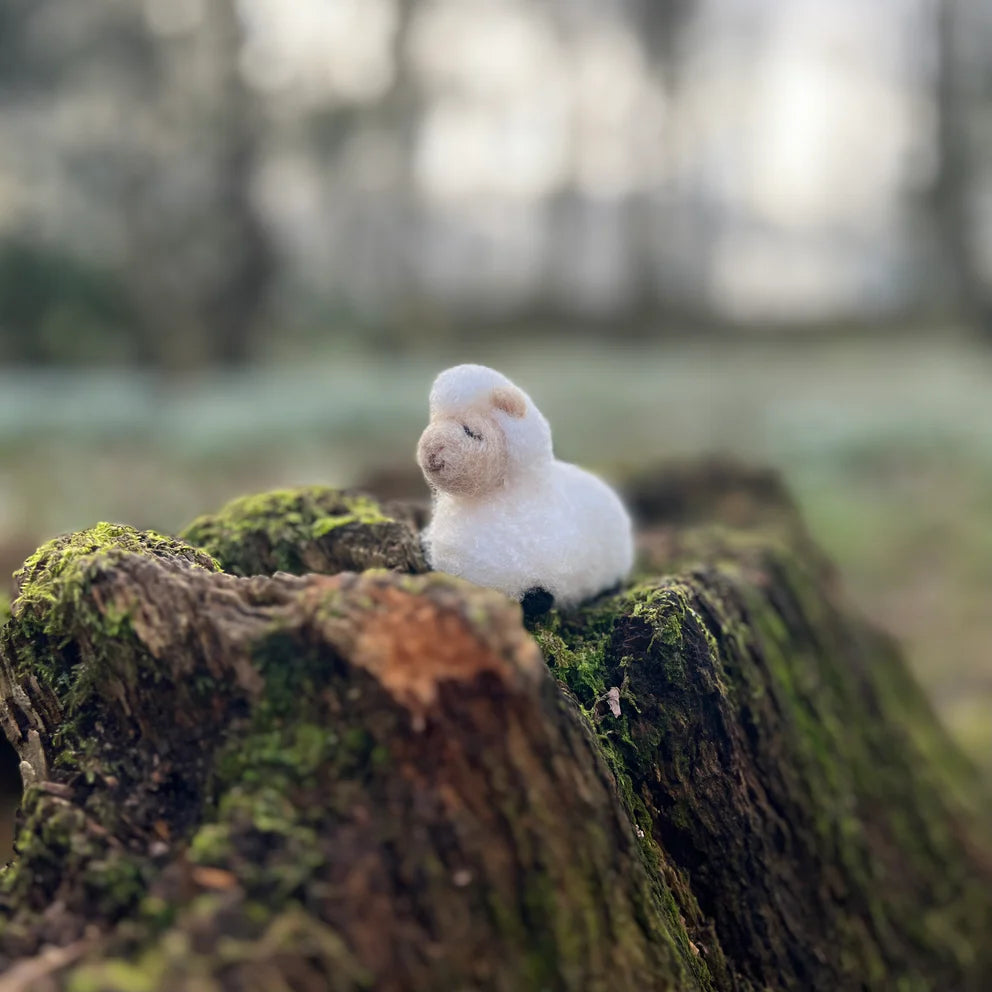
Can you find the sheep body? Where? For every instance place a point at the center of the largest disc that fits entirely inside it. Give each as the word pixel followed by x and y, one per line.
pixel 539 522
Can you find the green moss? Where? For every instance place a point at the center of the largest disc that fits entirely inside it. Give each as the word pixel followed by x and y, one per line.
pixel 748 637
pixel 59 569
pixel 284 515
pixel 121 976
pixel 841 721
pixel 581 651
pixel 315 528
pixel 286 751
pixel 57 840
pixel 4 608
pixel 760 730
pixel 235 960
pixel 69 646
pixel 325 526
pixel 51 606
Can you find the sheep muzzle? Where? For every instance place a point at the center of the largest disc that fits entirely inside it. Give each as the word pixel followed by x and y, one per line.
pixel 465 456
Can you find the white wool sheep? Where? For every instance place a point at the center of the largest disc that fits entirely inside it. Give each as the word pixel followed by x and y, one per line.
pixel 506 513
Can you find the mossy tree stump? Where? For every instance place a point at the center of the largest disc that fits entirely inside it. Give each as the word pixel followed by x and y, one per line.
pixel 718 778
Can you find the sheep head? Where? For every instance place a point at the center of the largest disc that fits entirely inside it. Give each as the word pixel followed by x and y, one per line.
pixel 483 430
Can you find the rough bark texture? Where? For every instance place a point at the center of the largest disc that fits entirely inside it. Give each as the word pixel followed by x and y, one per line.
pixel 718 778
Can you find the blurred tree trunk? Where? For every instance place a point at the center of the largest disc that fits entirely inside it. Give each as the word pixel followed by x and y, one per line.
pixel 659 26
pixel 200 264
pixel 393 229
pixel 952 194
pixel 233 309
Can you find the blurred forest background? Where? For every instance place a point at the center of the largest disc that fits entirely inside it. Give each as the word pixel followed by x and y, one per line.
pixel 239 237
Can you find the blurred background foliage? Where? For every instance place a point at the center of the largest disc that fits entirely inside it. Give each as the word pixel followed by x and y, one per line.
pixel 239 237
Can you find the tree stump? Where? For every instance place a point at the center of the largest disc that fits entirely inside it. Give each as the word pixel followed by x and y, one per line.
pixel 718 778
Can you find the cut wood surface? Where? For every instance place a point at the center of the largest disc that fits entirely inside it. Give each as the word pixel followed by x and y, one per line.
pixel 721 777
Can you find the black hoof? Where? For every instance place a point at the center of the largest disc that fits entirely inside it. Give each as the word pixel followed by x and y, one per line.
pixel 536 602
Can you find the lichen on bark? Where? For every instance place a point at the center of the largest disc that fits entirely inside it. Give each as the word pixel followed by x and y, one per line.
pixel 718 778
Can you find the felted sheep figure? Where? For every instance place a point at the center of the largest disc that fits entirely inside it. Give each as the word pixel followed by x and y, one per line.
pixel 506 513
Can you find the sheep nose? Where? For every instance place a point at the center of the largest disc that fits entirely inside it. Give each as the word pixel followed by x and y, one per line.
pixel 434 460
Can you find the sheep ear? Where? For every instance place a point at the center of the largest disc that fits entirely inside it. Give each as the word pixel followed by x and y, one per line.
pixel 510 400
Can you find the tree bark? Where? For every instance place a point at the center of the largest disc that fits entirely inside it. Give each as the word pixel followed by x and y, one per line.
pixel 717 778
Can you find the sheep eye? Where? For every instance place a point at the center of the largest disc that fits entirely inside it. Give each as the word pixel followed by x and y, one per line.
pixel 468 430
